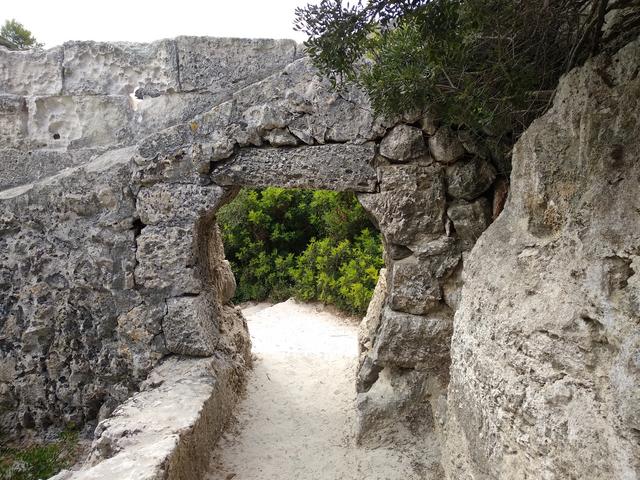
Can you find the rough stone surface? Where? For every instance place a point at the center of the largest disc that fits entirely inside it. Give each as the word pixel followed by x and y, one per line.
pixel 470 219
pixel 67 256
pixel 367 369
pixel 168 429
pixel 395 411
pixel 13 120
pixel 31 72
pixel 101 68
pixel 188 329
pixel 223 64
pixel 411 204
pixel 177 203
pixel 115 159
pixel 335 167
pixel 470 179
pixel 406 340
pixel 445 146
pixel 166 259
pixel 416 282
pixel 80 122
pixel 545 381
pixel 20 167
pixel 403 143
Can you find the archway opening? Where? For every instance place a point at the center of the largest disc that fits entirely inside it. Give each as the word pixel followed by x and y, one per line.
pixel 306 263
pixel 314 245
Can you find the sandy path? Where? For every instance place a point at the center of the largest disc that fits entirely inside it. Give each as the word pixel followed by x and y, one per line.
pixel 297 420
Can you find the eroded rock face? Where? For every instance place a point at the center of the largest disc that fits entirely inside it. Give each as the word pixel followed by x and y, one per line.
pixel 67 266
pixel 115 264
pixel 403 143
pixel 545 381
pixel 337 166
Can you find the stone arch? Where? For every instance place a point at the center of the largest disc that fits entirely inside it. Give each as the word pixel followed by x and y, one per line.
pixel 146 197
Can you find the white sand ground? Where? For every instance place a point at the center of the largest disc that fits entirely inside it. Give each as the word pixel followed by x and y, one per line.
pixel 298 418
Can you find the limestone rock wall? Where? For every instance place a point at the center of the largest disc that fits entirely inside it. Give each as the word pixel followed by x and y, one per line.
pixel 111 260
pixel 434 201
pixel 430 195
pixel 59 107
pixel 102 277
pixel 545 375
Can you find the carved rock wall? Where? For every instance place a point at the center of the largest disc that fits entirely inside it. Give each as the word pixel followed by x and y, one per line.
pixel 545 376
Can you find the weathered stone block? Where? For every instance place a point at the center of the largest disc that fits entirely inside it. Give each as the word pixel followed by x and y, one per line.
pixel 411 204
pixel 79 122
pixel 32 72
pixel 177 204
pixel 18 167
pixel 101 68
pixel 166 261
pixel 189 327
pixel 224 65
pixel 445 146
pixel 410 341
pixel 335 167
pixel 368 370
pixel 470 179
pixel 281 137
pixel 371 320
pixel 153 114
pixel 13 120
pixel 416 283
pixel 403 143
pixel 470 219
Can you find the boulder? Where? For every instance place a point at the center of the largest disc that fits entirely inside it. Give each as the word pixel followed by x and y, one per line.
pixel 411 204
pixel 415 285
pixel 470 219
pixel 545 378
pixel 469 179
pixel 445 147
pixel 403 143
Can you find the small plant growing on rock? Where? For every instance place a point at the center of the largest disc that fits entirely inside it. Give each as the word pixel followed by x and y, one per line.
pixel 39 461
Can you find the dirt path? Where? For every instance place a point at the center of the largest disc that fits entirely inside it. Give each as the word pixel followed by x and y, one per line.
pixel 297 421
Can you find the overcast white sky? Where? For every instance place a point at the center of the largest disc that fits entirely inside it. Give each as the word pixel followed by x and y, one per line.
pixel 54 22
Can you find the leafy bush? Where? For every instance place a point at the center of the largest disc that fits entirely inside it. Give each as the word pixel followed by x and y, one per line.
pixel 314 245
pixel 486 64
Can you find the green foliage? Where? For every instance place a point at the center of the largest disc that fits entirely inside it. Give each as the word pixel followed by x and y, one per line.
pixel 314 245
pixel 491 65
pixel 18 36
pixel 342 273
pixel 39 461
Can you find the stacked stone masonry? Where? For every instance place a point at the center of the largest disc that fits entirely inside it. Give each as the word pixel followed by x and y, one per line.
pixel 115 159
pixel 111 260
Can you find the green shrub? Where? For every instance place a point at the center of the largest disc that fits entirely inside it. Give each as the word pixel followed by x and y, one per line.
pixel 486 64
pixel 313 245
pixel 343 274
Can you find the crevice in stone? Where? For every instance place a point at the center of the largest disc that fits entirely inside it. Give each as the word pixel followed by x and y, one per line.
pixel 178 68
